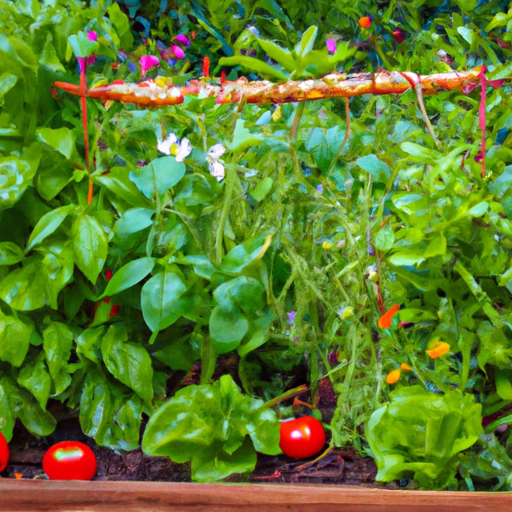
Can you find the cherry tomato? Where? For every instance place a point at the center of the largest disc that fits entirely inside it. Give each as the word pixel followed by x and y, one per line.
pixel 302 437
pixel 70 460
pixel 4 452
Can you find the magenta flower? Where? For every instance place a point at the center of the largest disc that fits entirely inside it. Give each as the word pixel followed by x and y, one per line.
pixel 178 52
pixel 183 39
pixel 92 35
pixel 291 316
pixel 147 62
pixel 331 45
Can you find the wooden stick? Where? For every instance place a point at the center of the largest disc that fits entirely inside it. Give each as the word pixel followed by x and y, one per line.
pixel 161 91
pixel 58 496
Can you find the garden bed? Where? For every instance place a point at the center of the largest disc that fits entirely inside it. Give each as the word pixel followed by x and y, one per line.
pixel 156 496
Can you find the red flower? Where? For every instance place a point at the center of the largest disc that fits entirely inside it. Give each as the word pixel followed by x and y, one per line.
pixel 399 36
pixel 365 22
pixel 386 319
pixel 206 67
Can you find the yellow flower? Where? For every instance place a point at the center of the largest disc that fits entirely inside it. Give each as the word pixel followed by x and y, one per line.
pixel 276 115
pixel 393 376
pixel 347 312
pixel 405 367
pixel 440 348
pixel 327 245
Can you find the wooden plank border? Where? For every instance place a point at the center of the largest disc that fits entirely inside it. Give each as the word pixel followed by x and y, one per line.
pixel 58 496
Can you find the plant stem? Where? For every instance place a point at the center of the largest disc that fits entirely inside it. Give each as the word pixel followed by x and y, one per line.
pixel 83 100
pixel 219 239
pixel 291 393
pixel 347 135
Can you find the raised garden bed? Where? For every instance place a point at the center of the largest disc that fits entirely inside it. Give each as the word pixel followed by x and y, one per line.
pixel 21 496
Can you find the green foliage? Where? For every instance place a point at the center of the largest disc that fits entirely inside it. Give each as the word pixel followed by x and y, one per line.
pixel 420 434
pixel 279 265
pixel 215 427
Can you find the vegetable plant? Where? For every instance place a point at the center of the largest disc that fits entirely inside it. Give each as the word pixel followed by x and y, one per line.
pixel 70 460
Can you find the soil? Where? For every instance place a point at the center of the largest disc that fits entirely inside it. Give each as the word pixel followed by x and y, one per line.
pixel 341 466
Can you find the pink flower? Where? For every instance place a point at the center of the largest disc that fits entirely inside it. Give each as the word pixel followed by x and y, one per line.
pixel 178 52
pixel 92 35
pixel 331 45
pixel 183 39
pixel 89 61
pixel 147 62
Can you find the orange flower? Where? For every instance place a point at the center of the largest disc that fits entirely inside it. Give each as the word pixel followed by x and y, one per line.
pixel 393 376
pixel 386 319
pixel 365 21
pixel 440 348
pixel 405 367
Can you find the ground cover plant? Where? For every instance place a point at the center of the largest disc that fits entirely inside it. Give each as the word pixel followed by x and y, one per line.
pixel 364 243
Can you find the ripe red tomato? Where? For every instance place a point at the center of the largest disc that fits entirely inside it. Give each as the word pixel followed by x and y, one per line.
pixel 4 452
pixel 302 437
pixel 70 460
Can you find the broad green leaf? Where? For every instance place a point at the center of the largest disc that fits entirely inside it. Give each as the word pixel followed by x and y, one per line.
pixel 227 328
pixel 14 339
pixel 243 137
pixel 128 275
pixel 377 168
pixel 10 253
pixel 281 55
pixel 503 381
pixel 128 362
pixel 58 341
pixel 133 221
pixel 6 417
pixel 242 292
pixel 385 238
pixel 60 139
pixel 25 407
pixel 405 259
pixel 158 176
pixel 48 224
pixel 307 41
pixel 262 189
pixel 7 82
pixel 421 153
pixel 253 65
pixel 436 246
pixel 95 404
pixel 35 378
pixel 81 45
pixel 159 296
pixel 243 255
pixel 90 245
pixel 202 265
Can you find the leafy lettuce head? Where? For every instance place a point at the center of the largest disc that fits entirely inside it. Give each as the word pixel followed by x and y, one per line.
pixel 419 434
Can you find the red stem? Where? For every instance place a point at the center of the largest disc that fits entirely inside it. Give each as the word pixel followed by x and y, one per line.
pixel 483 82
pixel 83 99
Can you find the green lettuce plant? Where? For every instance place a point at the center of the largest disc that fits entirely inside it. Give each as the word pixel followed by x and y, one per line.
pixel 420 434
pixel 215 427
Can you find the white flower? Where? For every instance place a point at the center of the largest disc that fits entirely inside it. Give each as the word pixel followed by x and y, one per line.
pixel 172 146
pixel 217 170
pixel 215 152
pixel 184 149
pixel 216 165
pixel 164 146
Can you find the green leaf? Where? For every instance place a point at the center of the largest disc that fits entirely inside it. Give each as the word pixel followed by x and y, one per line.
pixel 378 169
pixel 90 245
pixel 128 275
pixel 242 137
pixel 242 292
pixel 25 407
pixel 58 341
pixel 281 55
pixel 133 221
pixel 253 65
pixel 6 416
pixel 405 259
pixel 35 378
pixel 81 45
pixel 262 189
pixel 159 297
pixel 307 41
pixel 95 404
pixel 227 328
pixel 436 246
pixel 385 238
pixel 128 362
pixel 14 339
pixel 212 426
pixel 48 224
pixel 60 139
pixel 202 265
pixel 7 82
pixel 243 255
pixel 10 253
pixel 503 381
pixel 159 175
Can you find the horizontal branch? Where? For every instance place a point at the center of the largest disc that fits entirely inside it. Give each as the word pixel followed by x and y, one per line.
pixel 161 91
